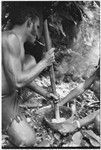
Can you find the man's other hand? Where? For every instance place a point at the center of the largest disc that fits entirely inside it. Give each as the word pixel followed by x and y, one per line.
pixel 53 97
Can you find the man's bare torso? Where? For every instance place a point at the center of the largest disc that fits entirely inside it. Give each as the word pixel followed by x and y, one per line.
pixel 7 85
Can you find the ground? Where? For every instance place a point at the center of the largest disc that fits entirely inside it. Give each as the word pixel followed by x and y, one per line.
pixel 33 105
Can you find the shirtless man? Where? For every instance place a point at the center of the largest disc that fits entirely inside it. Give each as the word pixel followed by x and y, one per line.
pixel 19 71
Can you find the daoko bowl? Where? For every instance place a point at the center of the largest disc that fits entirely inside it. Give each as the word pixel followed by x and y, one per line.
pixel 65 112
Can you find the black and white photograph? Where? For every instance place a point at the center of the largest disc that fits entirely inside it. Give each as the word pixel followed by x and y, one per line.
pixel 50 74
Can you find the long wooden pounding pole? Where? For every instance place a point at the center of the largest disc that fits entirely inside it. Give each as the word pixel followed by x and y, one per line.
pixel 49 46
pixel 52 74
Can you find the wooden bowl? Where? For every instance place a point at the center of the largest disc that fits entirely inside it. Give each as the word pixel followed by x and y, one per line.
pixel 65 112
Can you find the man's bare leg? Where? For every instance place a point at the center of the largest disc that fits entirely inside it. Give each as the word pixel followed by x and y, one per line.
pixel 20 133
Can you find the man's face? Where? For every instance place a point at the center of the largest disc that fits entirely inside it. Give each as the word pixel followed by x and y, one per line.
pixel 34 30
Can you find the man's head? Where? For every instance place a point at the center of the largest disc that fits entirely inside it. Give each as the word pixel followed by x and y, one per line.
pixel 29 18
pixel 32 29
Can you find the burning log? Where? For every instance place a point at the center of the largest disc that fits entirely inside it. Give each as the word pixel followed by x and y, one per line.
pixel 79 89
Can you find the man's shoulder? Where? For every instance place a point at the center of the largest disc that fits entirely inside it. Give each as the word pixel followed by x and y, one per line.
pixel 11 40
pixel 10 36
pixel 4 36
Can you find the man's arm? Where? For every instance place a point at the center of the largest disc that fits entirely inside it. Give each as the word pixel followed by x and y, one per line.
pixel 14 65
pixel 33 86
pixel 30 61
pixel 43 92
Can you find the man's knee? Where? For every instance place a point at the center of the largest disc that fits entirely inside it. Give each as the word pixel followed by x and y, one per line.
pixel 21 134
pixel 28 142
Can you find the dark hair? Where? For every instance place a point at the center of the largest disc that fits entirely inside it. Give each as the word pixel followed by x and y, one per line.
pixel 22 14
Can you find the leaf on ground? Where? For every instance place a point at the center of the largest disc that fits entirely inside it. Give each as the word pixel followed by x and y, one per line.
pixel 43 110
pixel 84 143
pixel 77 137
pixel 44 143
pixel 72 144
pixel 57 136
pixel 94 139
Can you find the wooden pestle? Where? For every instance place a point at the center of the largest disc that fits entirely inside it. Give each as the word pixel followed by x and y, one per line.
pixel 52 74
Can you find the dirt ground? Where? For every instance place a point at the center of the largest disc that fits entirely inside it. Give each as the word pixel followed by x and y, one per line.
pixel 33 104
